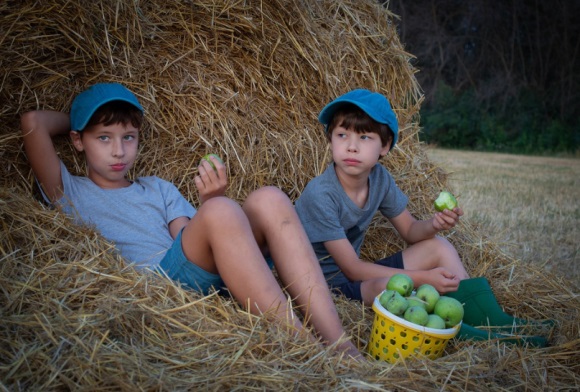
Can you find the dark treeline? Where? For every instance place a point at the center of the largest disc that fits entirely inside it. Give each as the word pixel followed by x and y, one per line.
pixel 497 75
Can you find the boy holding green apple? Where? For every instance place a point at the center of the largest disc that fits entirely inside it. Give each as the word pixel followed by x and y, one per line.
pixel 220 244
pixel 337 207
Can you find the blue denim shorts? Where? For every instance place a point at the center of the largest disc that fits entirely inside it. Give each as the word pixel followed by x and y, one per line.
pixel 177 267
pixel 351 290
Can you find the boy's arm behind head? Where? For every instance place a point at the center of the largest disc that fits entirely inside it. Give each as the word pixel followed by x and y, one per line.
pixel 38 128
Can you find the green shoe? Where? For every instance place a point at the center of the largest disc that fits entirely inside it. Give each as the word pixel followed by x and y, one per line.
pixel 482 309
pixel 467 332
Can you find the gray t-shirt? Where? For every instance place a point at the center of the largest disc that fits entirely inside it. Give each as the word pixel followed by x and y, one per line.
pixel 328 214
pixel 135 218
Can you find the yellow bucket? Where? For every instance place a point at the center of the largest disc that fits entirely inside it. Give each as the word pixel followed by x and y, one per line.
pixel 393 337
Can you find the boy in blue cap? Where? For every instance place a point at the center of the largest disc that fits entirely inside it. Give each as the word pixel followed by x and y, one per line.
pixel 219 245
pixel 337 207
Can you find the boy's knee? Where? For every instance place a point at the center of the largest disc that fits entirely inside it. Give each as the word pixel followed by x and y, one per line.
pixel 267 196
pixel 444 244
pixel 219 208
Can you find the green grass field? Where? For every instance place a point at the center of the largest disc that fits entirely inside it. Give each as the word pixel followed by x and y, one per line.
pixel 528 205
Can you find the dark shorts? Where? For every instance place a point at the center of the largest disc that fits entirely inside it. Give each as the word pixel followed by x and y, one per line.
pixel 177 267
pixel 351 290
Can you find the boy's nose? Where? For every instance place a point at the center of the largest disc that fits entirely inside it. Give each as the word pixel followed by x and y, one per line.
pixel 352 144
pixel 118 149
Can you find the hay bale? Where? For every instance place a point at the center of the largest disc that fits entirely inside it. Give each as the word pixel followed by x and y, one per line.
pixel 246 82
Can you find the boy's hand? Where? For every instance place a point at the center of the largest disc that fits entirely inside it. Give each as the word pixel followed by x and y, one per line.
pixel 209 182
pixel 443 280
pixel 446 219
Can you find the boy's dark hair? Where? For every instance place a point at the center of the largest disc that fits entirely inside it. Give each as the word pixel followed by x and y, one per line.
pixel 352 117
pixel 117 112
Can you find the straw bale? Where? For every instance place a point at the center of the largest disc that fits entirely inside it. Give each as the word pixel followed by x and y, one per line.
pixel 244 80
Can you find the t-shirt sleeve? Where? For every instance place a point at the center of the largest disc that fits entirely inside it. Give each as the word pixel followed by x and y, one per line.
pixel 176 205
pixel 394 201
pixel 319 215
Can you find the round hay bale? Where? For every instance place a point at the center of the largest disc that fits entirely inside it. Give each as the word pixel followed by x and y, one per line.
pixel 244 80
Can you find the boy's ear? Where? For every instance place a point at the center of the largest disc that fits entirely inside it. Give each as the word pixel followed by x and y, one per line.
pixel 385 150
pixel 77 140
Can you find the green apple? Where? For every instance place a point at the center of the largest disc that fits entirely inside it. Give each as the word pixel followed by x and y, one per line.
pixel 436 322
pixel 416 315
pixel 429 295
pixel 450 310
pixel 385 297
pixel 394 302
pixel 207 158
pixel 445 201
pixel 413 300
pixel 401 283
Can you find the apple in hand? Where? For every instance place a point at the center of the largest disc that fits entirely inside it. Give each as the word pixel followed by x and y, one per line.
pixel 416 315
pixel 207 158
pixel 429 295
pixel 435 322
pixel 450 310
pixel 401 283
pixel 445 201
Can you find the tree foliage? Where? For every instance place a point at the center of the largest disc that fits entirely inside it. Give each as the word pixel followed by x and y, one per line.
pixel 496 75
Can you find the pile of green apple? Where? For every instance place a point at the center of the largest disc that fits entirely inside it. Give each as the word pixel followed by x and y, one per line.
pixel 424 306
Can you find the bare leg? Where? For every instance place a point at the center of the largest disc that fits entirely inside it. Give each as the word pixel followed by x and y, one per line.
pixel 433 253
pixel 425 257
pixel 219 239
pixel 276 225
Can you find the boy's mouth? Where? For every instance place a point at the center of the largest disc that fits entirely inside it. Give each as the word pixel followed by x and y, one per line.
pixel 118 166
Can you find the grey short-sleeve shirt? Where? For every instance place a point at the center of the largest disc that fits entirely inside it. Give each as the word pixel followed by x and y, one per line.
pixel 135 218
pixel 328 214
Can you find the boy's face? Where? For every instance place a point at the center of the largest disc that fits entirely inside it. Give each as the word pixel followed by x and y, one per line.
pixel 110 151
pixel 356 153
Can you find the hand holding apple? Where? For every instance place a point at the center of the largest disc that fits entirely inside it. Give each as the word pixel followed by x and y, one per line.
pixel 211 183
pixel 208 158
pixel 448 211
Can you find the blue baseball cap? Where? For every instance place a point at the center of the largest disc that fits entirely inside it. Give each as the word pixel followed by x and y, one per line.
pixel 376 105
pixel 86 103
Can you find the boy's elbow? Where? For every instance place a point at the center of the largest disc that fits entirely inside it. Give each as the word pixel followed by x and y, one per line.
pixel 351 272
pixel 28 121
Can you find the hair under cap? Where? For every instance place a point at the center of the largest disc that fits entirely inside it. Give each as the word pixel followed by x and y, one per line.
pixel 86 103
pixel 375 105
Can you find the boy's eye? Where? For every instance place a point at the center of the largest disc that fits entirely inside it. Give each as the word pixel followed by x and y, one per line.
pixel 365 137
pixel 129 137
pixel 103 138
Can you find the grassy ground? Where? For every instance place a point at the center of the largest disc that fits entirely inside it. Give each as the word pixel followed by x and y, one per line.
pixel 529 205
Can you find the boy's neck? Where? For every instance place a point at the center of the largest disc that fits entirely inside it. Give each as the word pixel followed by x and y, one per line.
pixel 356 188
pixel 103 184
